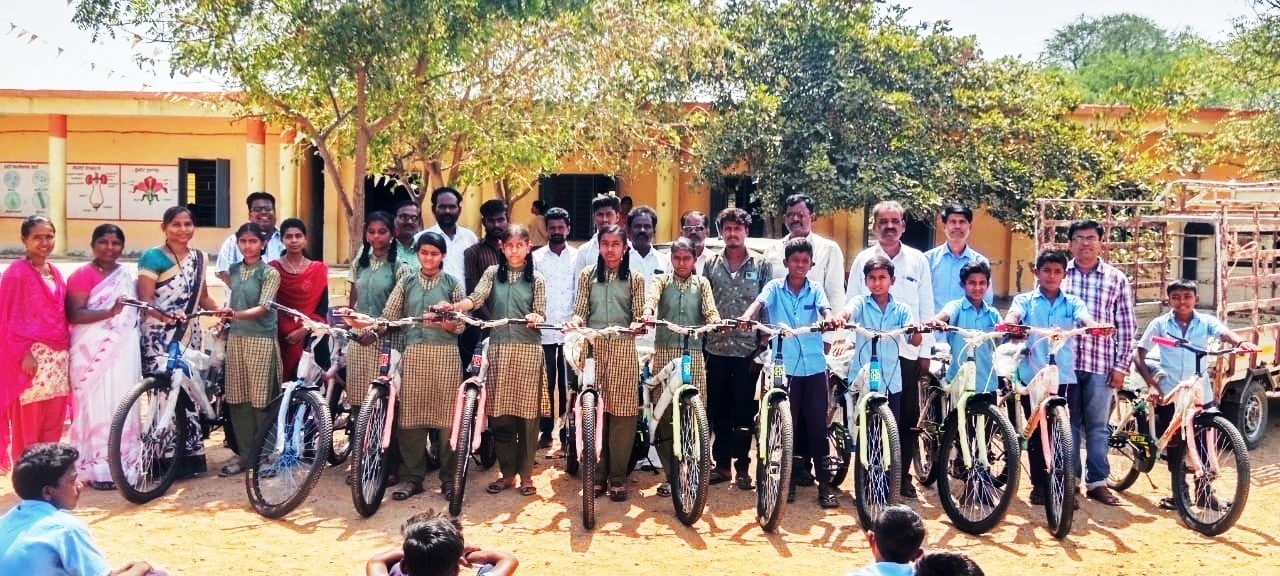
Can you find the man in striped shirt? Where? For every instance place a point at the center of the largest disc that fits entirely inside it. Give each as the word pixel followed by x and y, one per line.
pixel 1101 363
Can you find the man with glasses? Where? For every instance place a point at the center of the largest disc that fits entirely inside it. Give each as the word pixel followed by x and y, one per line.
pixel 408 225
pixel 446 205
pixel 1101 363
pixel 693 225
pixel 912 286
pixel 262 210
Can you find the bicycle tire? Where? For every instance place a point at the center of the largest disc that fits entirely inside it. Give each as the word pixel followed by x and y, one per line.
pixel 841 446
pixel 929 437
pixel 983 495
pixel 1229 439
pixel 876 483
pixel 1123 455
pixel 1060 499
pixel 692 475
pixel 151 451
pixel 369 463
pixel 587 462
pixel 462 462
pixel 773 467
pixel 340 444
pixel 308 411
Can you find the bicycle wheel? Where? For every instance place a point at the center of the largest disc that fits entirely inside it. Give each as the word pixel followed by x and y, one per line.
pixel 284 469
pixel 929 437
pixel 840 446
pixel 1127 446
pixel 144 448
pixel 1225 471
pixel 587 459
pixel 773 467
pixel 1060 501
pixel 342 421
pixel 876 481
pixel 462 463
pixel 693 472
pixel 977 496
pixel 369 462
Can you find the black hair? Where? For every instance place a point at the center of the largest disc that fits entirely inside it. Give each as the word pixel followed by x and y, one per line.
pixel 248 200
pixel 433 544
pixel 493 207
pixel 1181 284
pixel 1051 257
pixel 435 194
pixel 29 223
pixel 794 199
pixel 736 215
pixel 171 213
pixel 974 268
pixel 387 221
pixel 624 268
pixel 103 229
pixel 878 263
pixel 960 209
pixel 431 239
pixel 627 199
pixel 681 243
pixel 556 214
pixel 639 211
pixel 1080 225
pixel 794 245
pixel 947 563
pixel 899 533
pixel 405 204
pixel 293 223
pixel 42 465
pixel 605 201
pixel 540 206
pixel 252 228
pixel 516 231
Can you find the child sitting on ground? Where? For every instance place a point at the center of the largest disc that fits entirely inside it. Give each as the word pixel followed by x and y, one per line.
pixel 433 546
pixel 947 564
pixel 895 538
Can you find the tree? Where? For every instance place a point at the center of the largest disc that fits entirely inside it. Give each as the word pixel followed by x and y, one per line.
pixel 1251 62
pixel 342 72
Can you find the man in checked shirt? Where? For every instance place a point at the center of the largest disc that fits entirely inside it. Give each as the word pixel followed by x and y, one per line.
pixel 1101 363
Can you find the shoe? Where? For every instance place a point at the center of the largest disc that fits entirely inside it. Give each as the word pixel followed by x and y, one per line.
pixel 744 482
pixel 719 476
pixel 232 469
pixel 664 490
pixel 103 486
pixel 1168 504
pixel 446 490
pixel 544 441
pixel 617 492
pixel 803 477
pixel 1206 498
pixel 909 490
pixel 409 490
pixel 1037 497
pixel 827 498
pixel 1103 495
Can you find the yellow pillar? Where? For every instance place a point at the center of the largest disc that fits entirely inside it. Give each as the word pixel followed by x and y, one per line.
pixel 287 196
pixel 666 200
pixel 255 153
pixel 56 209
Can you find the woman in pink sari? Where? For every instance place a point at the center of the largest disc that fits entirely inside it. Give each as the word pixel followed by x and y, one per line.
pixel 33 346
pixel 106 361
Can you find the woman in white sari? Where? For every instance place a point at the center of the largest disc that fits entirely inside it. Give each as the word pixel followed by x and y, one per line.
pixel 106 361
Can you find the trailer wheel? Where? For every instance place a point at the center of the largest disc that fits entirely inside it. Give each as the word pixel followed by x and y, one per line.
pixel 1249 413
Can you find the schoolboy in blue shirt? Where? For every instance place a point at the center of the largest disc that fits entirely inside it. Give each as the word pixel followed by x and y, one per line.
pixel 878 311
pixel 895 537
pixel 795 301
pixel 972 313
pixel 1047 306
pixel 1177 364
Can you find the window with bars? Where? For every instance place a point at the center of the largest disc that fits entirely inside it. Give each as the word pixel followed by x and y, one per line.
pixel 573 193
pixel 741 188
pixel 204 186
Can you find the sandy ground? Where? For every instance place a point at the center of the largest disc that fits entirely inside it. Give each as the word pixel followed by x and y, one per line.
pixel 205 527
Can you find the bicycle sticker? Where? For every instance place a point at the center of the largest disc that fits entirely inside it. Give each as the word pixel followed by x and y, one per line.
pixel 384 358
pixel 777 371
pixel 477 360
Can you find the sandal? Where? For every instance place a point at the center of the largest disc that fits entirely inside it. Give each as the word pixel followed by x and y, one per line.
pixel 599 490
pixel 744 482
pixel 499 485
pixel 719 477
pixel 528 490
pixel 104 486
pixel 407 491
pixel 664 489
pixel 446 490
pixel 618 493
pixel 1168 504
pixel 231 469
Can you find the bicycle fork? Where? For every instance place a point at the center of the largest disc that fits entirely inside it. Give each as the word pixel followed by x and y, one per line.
pixel 483 399
pixel 961 406
pixel 885 450
pixel 588 386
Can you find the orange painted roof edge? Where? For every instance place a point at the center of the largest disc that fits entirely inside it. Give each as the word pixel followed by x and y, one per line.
pixel 109 94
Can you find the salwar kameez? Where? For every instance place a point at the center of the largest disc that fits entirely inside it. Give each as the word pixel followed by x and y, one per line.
pixel 253 353
pixel 32 321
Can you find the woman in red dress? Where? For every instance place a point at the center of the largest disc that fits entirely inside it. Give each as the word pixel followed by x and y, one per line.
pixel 304 286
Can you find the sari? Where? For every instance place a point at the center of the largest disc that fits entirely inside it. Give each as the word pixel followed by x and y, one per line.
pixel 306 292
pixel 178 287
pixel 32 318
pixel 106 364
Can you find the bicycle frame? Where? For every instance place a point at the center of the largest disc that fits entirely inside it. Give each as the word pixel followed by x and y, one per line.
pixel 964 387
pixel 587 382
pixel 670 393
pixel 310 374
pixel 182 368
pixel 874 381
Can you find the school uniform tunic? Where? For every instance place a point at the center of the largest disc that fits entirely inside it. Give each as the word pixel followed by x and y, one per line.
pixel 687 302
pixel 517 375
pixel 616 302
pixel 373 286
pixel 429 370
pixel 253 352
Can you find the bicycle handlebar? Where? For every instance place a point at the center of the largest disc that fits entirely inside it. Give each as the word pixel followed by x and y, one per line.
pixel 784 330
pixel 370 322
pixel 1055 334
pixel 887 333
pixel 692 330
pixel 1176 342
pixel 307 322
pixel 483 324
pixel 135 303
pixel 593 333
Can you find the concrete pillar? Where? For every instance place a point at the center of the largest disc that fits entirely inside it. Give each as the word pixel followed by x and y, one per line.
pixel 57 195
pixel 255 132
pixel 666 200
pixel 287 201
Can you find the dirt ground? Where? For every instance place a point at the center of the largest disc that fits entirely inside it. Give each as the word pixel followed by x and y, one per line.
pixel 205 527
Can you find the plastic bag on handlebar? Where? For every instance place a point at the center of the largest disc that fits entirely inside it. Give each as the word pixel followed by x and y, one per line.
pixel 1007 358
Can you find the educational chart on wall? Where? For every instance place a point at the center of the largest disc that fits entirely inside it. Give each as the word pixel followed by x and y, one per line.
pixel 24 189
pixel 146 191
pixel 93 191
pixel 120 192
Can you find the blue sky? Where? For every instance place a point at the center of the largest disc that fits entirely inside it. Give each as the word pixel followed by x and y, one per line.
pixel 1003 27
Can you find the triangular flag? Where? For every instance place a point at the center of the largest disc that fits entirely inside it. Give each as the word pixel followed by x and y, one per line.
pixel 136 40
pixel 11 27
pixel 22 33
pixel 93 66
pixel 33 39
pixel 59 52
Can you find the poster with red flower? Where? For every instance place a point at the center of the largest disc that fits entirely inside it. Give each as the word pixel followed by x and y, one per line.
pixel 146 191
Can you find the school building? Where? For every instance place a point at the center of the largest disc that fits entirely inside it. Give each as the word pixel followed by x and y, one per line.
pixel 83 158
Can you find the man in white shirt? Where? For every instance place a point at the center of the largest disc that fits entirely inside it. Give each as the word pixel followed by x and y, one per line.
pixel 604 211
pixel 262 210
pixel 446 204
pixel 946 260
pixel 912 286
pixel 649 262
pixel 693 225
pixel 555 262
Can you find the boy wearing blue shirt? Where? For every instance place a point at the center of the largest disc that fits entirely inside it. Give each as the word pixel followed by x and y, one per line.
pixel 795 301
pixel 973 313
pixel 895 537
pixel 878 311
pixel 1047 306
pixel 1178 364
